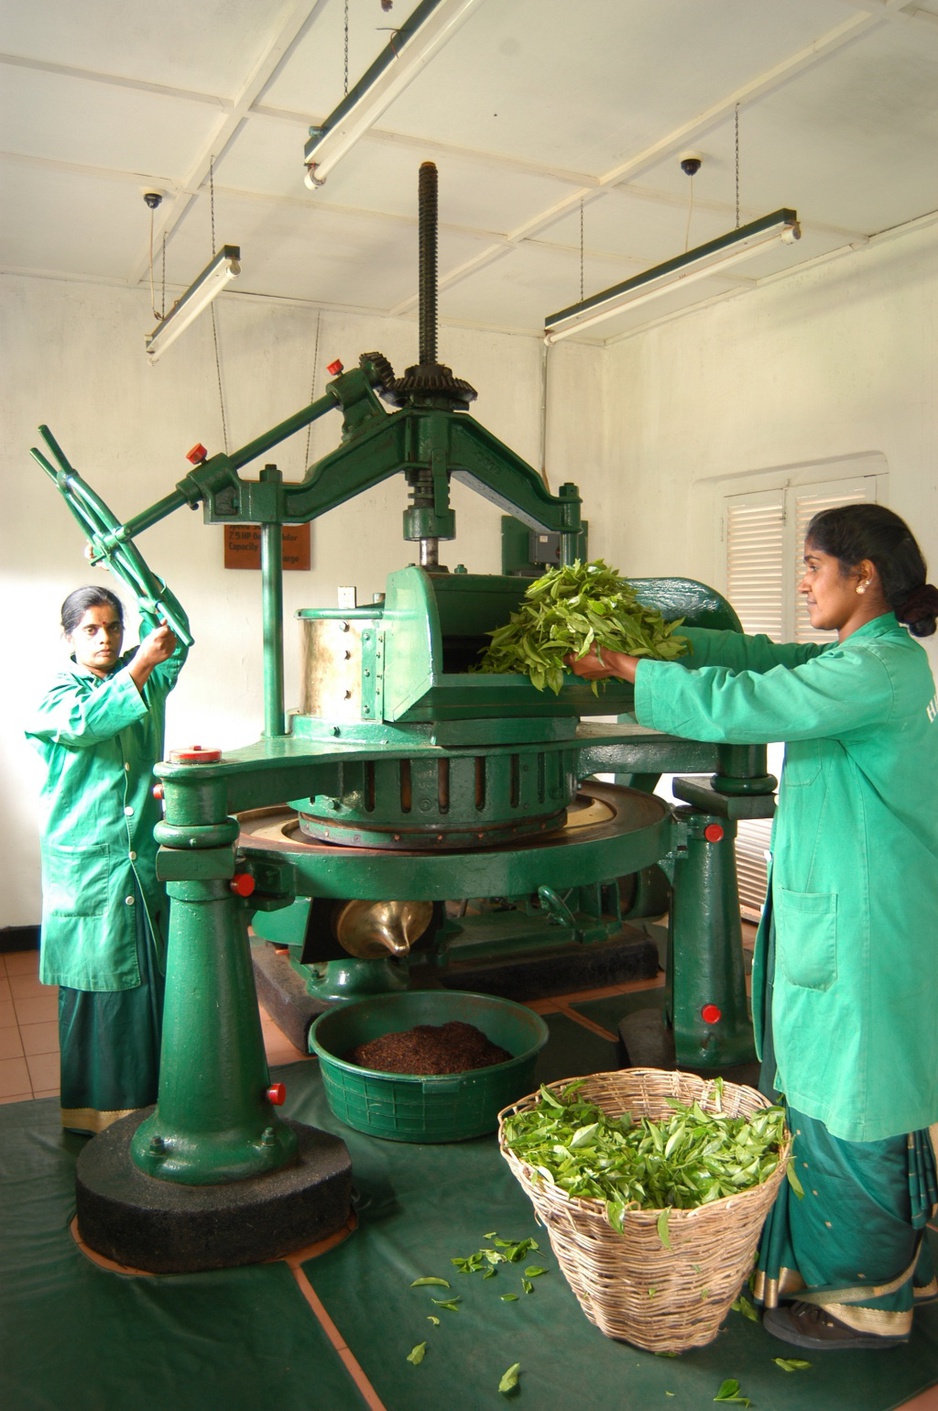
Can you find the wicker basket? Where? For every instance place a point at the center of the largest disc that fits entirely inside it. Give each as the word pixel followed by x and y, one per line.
pixel 629 1284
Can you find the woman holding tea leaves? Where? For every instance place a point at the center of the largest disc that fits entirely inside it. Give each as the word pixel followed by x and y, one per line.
pixel 845 979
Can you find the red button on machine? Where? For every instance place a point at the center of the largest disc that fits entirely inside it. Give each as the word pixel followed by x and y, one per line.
pixel 710 1014
pixel 242 884
pixel 276 1094
pixel 335 368
pixel 198 454
pixel 713 833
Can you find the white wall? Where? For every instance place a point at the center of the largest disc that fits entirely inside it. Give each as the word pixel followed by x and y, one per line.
pixel 74 359
pixel 834 362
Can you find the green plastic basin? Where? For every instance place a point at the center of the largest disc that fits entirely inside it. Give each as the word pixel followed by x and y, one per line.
pixel 442 1108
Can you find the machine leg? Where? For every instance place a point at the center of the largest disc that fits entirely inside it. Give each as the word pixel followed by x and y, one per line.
pixel 212 1177
pixel 706 979
pixel 214 1120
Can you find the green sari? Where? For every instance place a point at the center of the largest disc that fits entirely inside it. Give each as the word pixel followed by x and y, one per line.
pixel 854 1241
pixel 109 1042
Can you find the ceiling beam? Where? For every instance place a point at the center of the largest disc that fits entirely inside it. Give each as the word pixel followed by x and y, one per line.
pixel 133 85
pixel 278 50
pixel 673 142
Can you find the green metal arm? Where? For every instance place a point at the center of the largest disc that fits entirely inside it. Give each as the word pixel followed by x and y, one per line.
pixel 107 542
pixel 376 444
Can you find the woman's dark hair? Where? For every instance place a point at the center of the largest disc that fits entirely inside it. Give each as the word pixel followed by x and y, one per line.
pixel 852 533
pixel 78 603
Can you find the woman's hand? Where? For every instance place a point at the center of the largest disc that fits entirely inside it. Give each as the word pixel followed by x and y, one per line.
pixel 596 667
pixel 154 649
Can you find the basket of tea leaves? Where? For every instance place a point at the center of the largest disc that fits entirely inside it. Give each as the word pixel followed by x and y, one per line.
pixel 653 1187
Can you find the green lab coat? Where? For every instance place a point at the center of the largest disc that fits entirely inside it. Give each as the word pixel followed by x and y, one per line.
pixel 854 874
pixel 99 739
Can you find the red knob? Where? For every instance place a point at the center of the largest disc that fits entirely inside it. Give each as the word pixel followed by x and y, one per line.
pixel 198 454
pixel 242 884
pixel 710 1014
pixel 713 833
pixel 195 754
pixel 335 368
pixel 276 1094
pixel 157 791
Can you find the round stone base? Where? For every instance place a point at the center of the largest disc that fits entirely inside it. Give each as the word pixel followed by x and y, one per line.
pixel 168 1228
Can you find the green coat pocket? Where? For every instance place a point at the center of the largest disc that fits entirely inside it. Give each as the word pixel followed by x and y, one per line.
pixel 75 880
pixel 806 937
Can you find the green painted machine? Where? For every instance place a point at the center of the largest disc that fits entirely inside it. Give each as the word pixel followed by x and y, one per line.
pixel 407 782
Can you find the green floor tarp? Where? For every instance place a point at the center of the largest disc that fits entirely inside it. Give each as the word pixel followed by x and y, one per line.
pixel 76 1338
pixel 422 1206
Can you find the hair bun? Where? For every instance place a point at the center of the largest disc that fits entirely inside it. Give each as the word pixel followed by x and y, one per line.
pixel 920 610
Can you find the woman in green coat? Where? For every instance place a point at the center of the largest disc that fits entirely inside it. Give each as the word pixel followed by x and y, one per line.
pixel 845 979
pixel 99 730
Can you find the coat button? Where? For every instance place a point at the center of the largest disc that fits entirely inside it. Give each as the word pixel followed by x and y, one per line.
pixel 128 901
pixel 129 811
pixel 132 856
pixel 127 766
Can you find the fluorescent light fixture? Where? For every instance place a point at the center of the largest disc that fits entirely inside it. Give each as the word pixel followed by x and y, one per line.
pixel 424 32
pixel 197 297
pixel 711 258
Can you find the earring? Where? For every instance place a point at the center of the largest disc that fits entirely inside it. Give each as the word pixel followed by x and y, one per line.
pixel 861 587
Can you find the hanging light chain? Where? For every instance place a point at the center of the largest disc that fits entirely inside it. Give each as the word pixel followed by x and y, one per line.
pixel 152 290
pixel 346 48
pixel 737 166
pixel 312 385
pixel 582 250
pixel 221 393
pixel 211 194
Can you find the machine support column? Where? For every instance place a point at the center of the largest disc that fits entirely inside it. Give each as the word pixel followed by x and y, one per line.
pixel 706 982
pixel 214 1121
pixel 235 1183
pixel 272 612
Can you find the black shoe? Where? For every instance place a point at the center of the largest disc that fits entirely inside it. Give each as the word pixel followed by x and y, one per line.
pixel 809 1325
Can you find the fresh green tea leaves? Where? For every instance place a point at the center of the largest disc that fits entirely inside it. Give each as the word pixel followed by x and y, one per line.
pixel 487 1260
pixel 743 1306
pixel 686 1160
pixel 729 1391
pixel 500 1253
pixel 793 1181
pixel 571 609
pixel 790 1364
pixel 510 1379
pixel 615 1214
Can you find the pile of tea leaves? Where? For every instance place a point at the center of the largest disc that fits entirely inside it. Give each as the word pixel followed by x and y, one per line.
pixel 689 1159
pixel 571 609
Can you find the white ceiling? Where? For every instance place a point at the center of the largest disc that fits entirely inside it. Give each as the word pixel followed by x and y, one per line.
pixel 557 128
